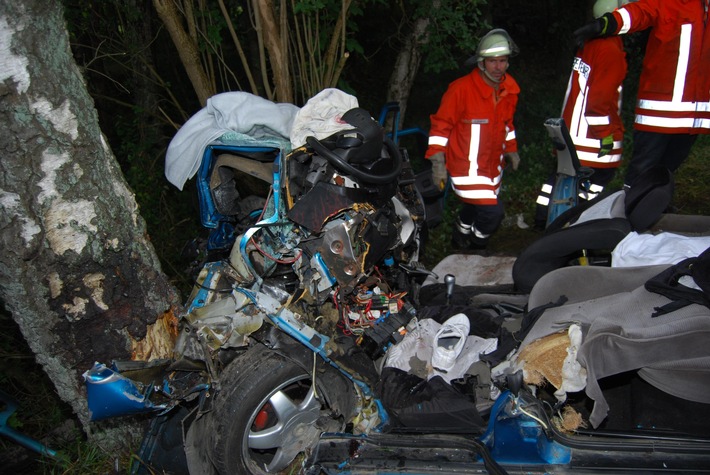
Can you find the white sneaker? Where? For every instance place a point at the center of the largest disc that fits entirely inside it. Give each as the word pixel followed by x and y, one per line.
pixel 449 341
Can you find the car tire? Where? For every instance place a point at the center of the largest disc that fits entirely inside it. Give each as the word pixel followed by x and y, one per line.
pixel 267 413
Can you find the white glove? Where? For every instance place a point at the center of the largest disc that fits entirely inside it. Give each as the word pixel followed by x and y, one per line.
pixel 513 159
pixel 438 169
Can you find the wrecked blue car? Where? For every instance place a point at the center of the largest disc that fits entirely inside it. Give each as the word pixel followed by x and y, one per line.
pixel 315 342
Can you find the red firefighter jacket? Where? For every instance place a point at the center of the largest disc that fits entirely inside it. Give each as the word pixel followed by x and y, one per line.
pixel 674 87
pixel 593 101
pixel 474 127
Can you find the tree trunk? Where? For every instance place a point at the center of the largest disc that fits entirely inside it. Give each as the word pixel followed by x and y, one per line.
pixel 277 48
pixel 77 272
pixel 406 66
pixel 187 49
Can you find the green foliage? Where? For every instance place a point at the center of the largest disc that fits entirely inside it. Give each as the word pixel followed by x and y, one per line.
pixel 315 6
pixel 692 178
pixel 454 30
pixel 520 188
pixel 84 458
pixel 438 242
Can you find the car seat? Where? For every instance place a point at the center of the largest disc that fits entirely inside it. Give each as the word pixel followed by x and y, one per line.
pixel 595 227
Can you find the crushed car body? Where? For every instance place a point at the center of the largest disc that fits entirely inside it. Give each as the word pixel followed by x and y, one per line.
pixel 308 339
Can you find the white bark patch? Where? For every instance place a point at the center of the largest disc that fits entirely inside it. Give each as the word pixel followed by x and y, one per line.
pixel 78 171
pixel 12 67
pixel 129 200
pixel 12 208
pixel 75 311
pixel 61 117
pixel 104 144
pixel 94 282
pixel 50 164
pixel 55 285
pixel 68 225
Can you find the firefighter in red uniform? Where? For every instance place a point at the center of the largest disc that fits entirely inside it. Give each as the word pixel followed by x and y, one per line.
pixel 472 136
pixel 674 88
pixel 591 111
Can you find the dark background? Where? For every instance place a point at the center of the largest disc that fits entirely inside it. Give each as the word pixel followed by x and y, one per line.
pixel 131 119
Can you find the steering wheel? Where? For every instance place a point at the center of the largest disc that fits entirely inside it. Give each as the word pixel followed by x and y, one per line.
pixel 342 165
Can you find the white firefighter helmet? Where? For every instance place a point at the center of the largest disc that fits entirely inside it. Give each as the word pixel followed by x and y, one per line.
pixel 494 44
pixel 605 6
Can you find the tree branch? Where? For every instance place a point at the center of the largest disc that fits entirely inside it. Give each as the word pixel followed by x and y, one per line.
pixel 187 49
